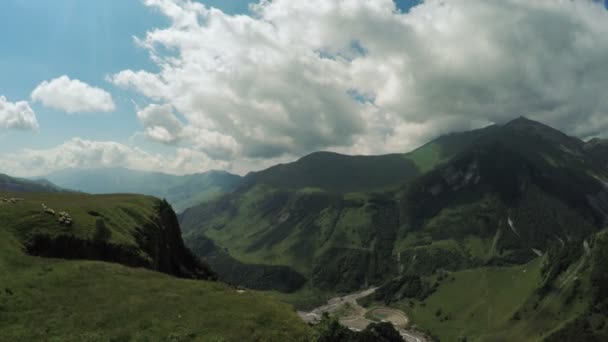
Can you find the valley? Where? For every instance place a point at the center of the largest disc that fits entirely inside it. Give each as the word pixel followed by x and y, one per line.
pixel 304 171
pixel 472 237
pixel 479 205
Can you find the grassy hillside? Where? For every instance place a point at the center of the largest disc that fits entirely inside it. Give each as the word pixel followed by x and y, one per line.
pixel 494 304
pixel 129 229
pixel 328 238
pixel 75 300
pixel 181 191
pixel 560 296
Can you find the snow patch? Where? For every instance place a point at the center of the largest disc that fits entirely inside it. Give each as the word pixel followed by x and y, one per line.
pixel 587 247
pixel 512 226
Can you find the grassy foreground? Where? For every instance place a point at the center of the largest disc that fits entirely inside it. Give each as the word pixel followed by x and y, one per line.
pixel 57 300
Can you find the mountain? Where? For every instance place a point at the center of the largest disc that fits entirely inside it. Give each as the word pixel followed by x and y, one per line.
pixel 519 202
pixel 338 173
pixel 181 191
pixel 304 216
pixel 12 184
pixel 598 148
pixel 85 267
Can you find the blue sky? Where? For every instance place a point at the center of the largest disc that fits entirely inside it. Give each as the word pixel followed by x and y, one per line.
pixel 92 42
pixel 85 40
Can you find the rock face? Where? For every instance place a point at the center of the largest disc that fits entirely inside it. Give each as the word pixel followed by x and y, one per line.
pixel 162 241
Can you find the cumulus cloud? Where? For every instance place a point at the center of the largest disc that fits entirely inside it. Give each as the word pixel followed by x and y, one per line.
pixel 360 76
pixel 160 123
pixel 17 115
pixel 82 153
pixel 72 96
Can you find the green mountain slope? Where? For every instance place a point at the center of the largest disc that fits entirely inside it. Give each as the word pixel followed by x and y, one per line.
pixel 13 184
pixel 599 150
pixel 63 300
pixel 559 296
pixel 300 214
pixel 491 201
pixel 181 191
pixel 325 171
pixel 338 173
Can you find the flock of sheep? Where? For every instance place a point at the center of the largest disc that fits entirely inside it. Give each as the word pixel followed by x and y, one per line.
pixel 64 218
pixel 10 200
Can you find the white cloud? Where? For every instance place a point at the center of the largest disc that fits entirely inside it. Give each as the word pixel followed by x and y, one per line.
pixel 17 115
pixel 82 153
pixel 359 76
pixel 72 96
pixel 160 123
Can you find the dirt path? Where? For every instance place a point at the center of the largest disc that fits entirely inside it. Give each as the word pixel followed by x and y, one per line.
pixel 356 320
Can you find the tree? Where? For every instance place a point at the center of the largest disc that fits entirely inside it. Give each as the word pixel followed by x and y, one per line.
pixel 102 233
pixel 330 330
pixel 384 332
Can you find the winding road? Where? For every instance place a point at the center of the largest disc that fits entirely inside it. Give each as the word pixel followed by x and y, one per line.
pixel 357 321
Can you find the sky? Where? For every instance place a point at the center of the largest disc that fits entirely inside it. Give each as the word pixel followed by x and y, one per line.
pixel 183 86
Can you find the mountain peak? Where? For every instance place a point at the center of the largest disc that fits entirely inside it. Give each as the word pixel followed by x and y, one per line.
pixel 523 125
pixel 522 120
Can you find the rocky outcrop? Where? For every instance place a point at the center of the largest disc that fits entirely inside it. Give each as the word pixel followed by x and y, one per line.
pixel 162 241
pixel 159 247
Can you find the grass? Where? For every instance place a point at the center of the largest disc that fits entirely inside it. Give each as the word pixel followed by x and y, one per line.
pixel 334 226
pixel 426 157
pixel 122 214
pixel 477 300
pixel 60 300
pixel 480 304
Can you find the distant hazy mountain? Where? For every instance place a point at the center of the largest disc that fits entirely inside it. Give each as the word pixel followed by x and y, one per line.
pixel 504 222
pixel 181 191
pixel 13 184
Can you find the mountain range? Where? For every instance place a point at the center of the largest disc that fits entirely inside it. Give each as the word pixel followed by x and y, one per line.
pixel 181 191
pixel 14 184
pixel 520 199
